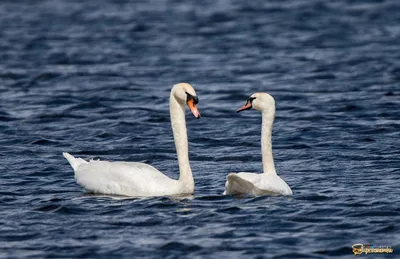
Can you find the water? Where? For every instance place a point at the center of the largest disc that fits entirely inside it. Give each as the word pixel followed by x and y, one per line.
pixel 93 79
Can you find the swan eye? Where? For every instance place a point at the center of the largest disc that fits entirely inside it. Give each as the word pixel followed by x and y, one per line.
pixel 191 97
pixel 251 99
pixel 248 105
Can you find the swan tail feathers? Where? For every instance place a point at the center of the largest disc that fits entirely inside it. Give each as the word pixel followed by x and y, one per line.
pixel 237 185
pixel 75 162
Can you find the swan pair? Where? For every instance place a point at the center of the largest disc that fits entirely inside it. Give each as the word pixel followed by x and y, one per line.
pixel 139 179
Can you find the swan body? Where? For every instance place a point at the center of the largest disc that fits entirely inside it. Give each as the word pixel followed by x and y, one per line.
pixel 254 184
pixel 268 182
pixel 139 179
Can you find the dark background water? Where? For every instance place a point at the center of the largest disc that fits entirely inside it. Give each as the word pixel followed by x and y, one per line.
pixel 93 78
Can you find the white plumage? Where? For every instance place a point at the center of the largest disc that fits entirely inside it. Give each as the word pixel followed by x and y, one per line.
pixel 268 182
pixel 139 179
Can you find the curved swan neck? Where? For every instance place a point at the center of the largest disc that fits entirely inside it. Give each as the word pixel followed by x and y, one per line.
pixel 266 144
pixel 177 113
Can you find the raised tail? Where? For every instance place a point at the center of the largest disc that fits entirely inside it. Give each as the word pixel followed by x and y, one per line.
pixel 237 185
pixel 75 162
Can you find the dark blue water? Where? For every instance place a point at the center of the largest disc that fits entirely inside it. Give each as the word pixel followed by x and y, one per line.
pixel 93 78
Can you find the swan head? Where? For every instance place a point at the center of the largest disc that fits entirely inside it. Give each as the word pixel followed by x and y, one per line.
pixel 185 93
pixel 259 101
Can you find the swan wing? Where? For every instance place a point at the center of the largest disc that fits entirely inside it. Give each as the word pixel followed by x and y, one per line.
pixel 256 184
pixel 241 183
pixel 123 178
pixel 272 183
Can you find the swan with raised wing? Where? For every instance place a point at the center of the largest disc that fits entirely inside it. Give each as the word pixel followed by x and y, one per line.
pixel 139 179
pixel 268 182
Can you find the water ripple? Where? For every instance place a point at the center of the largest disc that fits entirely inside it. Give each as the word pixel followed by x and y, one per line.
pixel 93 78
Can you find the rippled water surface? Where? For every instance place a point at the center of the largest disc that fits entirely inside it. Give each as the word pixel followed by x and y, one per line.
pixel 93 78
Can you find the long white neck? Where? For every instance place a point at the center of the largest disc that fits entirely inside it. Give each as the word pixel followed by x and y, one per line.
pixel 177 113
pixel 266 144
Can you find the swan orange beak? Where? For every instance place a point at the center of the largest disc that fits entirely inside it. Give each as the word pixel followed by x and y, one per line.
pixel 247 106
pixel 193 108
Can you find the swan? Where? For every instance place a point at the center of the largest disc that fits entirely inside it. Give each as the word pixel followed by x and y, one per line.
pixel 139 179
pixel 268 182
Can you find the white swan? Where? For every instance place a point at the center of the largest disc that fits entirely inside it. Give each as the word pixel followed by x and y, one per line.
pixel 138 179
pixel 268 182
